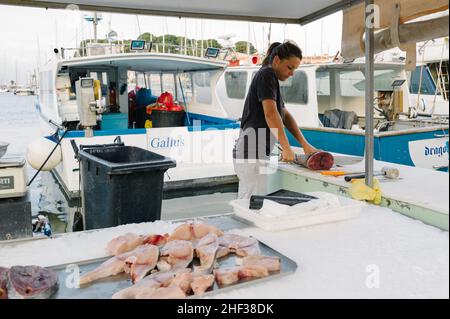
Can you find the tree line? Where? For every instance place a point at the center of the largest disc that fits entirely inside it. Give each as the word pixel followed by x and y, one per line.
pixel 171 43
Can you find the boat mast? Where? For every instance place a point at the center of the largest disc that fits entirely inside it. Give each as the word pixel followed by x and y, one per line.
pixel 95 22
pixel 201 37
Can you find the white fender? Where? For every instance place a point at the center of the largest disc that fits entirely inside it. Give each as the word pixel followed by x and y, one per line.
pixel 39 150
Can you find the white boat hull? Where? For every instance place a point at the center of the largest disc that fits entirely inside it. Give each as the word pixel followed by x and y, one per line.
pixel 200 155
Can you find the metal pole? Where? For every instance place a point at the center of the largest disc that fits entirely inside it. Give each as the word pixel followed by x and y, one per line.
pixel 369 74
pixel 95 26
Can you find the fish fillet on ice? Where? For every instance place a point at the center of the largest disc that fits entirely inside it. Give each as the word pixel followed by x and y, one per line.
pixel 227 276
pixel 206 251
pixel 201 283
pixel 147 286
pixel 193 231
pixel 176 254
pixel 241 245
pixel 143 255
pixel 123 244
pixel 130 241
pixel 271 263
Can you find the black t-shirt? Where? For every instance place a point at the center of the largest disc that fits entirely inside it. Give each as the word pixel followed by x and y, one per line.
pixel 264 86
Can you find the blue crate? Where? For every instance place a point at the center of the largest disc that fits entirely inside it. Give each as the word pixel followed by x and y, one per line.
pixel 114 121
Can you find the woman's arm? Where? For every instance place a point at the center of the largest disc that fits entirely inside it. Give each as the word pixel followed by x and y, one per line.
pixel 276 126
pixel 292 126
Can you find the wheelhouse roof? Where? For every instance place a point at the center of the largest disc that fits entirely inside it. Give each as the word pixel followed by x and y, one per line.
pixel 147 62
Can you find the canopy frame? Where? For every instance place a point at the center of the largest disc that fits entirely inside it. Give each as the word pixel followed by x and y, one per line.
pixel 301 20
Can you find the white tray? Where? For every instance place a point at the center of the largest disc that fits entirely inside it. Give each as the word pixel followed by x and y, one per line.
pixel 348 209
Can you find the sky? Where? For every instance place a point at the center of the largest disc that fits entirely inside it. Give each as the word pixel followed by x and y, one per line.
pixel 28 35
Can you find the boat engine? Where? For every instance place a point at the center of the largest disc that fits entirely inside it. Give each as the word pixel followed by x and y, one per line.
pixel 89 103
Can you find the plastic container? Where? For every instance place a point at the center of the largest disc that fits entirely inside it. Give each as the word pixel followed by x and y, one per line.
pixel 347 209
pixel 114 121
pixel 121 185
pixel 163 118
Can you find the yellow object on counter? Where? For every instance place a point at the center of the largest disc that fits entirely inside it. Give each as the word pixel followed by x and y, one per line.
pixel 148 124
pixel 360 191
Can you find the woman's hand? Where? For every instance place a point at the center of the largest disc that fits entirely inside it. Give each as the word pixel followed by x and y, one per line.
pixel 309 149
pixel 287 155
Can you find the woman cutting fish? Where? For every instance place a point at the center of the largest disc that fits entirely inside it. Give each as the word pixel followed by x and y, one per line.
pixel 265 117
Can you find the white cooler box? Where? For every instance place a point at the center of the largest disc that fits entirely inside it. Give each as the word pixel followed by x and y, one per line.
pixel 341 208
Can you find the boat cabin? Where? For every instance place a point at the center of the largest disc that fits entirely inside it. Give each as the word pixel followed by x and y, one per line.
pixel 318 93
pixel 130 84
pixel 164 103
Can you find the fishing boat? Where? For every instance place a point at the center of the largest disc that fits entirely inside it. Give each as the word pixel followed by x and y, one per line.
pixel 23 91
pixel 360 249
pixel 198 134
pixel 327 101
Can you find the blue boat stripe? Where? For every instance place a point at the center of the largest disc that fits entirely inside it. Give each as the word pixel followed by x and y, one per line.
pixel 394 149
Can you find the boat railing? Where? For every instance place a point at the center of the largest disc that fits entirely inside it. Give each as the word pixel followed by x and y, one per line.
pixel 95 49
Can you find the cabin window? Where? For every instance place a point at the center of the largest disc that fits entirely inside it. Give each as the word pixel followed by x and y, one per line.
pixel 295 89
pixel 202 87
pixel 427 87
pixel 168 83
pixel 186 93
pixel 236 84
pixel 105 78
pixel 323 83
pixel 353 83
pixel 140 80
pixel 350 83
pixel 155 83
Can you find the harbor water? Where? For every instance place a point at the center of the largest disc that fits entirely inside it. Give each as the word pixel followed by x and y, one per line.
pixel 19 126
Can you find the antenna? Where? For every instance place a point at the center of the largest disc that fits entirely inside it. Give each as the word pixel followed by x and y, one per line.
pixel 138 25
pixel 95 20
pixel 227 43
pixel 112 36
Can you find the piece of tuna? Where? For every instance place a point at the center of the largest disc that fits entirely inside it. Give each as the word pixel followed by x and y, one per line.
pixel 3 282
pixel 31 282
pixel 319 160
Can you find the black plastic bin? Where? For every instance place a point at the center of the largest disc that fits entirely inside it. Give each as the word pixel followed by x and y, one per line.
pixel 121 185
pixel 163 118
